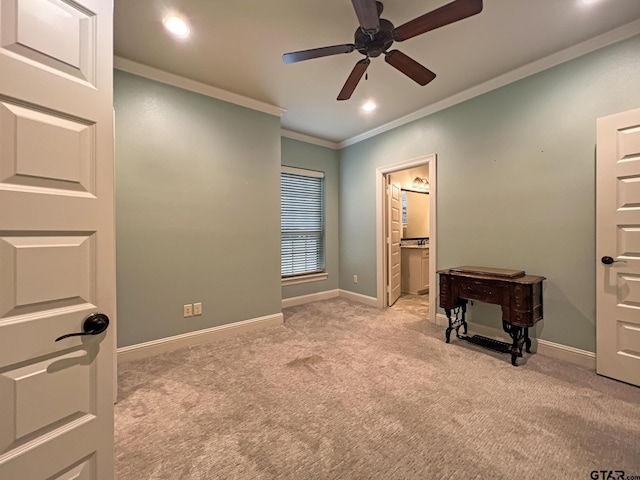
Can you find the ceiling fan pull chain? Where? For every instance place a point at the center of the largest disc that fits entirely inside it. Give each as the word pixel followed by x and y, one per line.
pixel 366 73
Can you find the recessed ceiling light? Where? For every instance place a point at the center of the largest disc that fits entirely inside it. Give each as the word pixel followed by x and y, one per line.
pixel 369 106
pixel 177 26
pixel 590 2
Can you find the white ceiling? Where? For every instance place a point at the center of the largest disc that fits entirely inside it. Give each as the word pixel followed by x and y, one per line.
pixel 237 45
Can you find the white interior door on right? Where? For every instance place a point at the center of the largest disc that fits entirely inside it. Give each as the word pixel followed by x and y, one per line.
pixel 618 247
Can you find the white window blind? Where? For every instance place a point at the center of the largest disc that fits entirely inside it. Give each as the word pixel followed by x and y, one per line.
pixel 302 212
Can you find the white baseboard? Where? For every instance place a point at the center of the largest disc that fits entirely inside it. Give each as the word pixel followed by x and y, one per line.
pixel 441 320
pixel 163 345
pixel 577 356
pixel 358 297
pixel 569 354
pixel 312 297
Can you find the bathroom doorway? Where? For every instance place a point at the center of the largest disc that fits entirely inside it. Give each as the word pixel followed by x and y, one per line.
pixel 416 182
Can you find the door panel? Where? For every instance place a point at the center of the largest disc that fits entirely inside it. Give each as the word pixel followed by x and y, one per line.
pixel 54 33
pixel 395 234
pixel 78 472
pixel 618 236
pixel 63 381
pixel 46 268
pixel 66 144
pixel 628 240
pixel 57 252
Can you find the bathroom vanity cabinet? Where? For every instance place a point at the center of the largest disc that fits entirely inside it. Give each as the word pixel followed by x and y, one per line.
pixel 415 269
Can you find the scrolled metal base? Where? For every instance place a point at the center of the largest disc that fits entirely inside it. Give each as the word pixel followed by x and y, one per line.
pixel 519 335
pixel 460 321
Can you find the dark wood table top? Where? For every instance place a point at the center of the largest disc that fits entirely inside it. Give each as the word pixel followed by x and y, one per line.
pixel 489 273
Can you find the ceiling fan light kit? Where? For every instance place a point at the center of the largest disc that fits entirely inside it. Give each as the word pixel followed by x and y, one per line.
pixel 374 36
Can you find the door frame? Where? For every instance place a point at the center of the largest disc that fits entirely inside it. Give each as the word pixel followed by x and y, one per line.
pixel 381 264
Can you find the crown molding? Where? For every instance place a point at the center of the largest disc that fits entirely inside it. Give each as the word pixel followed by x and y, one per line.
pixel 622 33
pixel 309 139
pixel 161 76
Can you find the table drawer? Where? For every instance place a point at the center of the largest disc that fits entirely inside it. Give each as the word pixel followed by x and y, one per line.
pixel 478 291
pixel 521 319
pixel 521 297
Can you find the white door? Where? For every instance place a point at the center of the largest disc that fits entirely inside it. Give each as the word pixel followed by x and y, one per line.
pixel 618 247
pixel 393 242
pixel 56 239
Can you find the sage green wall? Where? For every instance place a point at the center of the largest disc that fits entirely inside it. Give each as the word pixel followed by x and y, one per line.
pixel 516 184
pixel 313 157
pixel 197 210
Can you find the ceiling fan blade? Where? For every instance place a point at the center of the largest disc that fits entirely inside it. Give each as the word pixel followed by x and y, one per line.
pixel 354 78
pixel 367 12
pixel 452 12
pixel 317 52
pixel 409 67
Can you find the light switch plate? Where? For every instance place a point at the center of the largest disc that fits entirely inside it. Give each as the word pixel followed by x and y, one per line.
pixel 197 308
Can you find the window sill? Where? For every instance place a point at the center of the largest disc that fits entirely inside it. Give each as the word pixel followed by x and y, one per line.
pixel 316 277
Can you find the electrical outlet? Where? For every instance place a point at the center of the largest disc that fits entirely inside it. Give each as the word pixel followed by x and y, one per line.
pixel 355 279
pixel 188 310
pixel 197 308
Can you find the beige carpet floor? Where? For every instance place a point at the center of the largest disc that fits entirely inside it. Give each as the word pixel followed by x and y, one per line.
pixel 346 391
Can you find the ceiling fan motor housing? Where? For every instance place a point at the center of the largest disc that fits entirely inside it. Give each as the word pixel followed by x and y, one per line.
pixel 381 41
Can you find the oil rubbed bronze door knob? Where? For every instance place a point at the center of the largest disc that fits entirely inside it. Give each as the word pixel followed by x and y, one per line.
pixel 609 260
pixel 94 324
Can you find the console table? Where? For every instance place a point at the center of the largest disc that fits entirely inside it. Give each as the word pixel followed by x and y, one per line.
pixel 519 295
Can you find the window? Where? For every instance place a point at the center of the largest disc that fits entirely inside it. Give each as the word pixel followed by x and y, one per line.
pixel 302 214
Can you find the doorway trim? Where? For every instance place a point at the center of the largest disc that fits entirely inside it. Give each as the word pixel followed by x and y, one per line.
pixel 381 172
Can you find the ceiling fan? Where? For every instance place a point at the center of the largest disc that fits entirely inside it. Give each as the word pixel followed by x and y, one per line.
pixel 375 36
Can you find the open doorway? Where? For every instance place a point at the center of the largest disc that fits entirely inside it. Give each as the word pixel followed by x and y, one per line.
pixel 385 242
